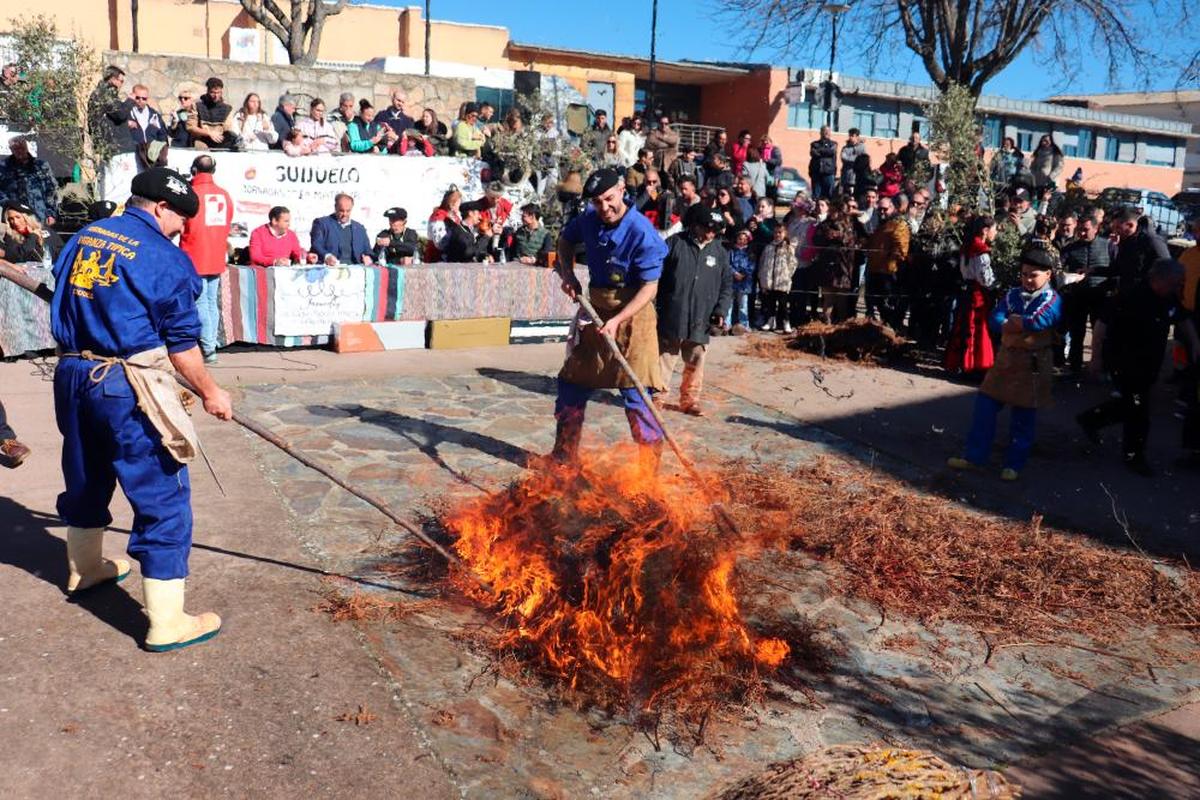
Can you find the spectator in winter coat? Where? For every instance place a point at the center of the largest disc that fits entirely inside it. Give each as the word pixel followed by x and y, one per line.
pixel 851 150
pixel 1085 270
pixel 694 292
pixel 365 135
pixel 395 117
pixel 30 181
pixel 687 166
pixel 398 243
pixel 772 156
pixel 742 267
pixel 739 152
pixel 775 270
pixel 1046 163
pixel 717 145
pixel 338 239
pixel 835 262
pixel 887 254
pixel 663 144
pixel 531 243
pixel 179 127
pixel 755 171
pixel 212 126
pixel 252 126
pixel 717 174
pixel 205 239
pixel 276 244
pixel 319 135
pixel 1006 165
pixel 23 241
pixel 630 140
pixel 108 114
pixel 145 123
pixel 822 164
pixel 891 175
pixel 914 158
pixel 283 120
pixel 1137 249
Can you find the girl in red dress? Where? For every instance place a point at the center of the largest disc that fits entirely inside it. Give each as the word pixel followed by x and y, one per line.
pixel 970 347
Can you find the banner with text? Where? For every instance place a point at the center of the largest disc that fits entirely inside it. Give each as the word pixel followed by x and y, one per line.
pixel 307 185
pixel 308 302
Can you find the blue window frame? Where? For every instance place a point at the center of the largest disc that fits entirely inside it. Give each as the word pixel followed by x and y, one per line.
pixel 1160 151
pixel 1078 143
pixel 501 99
pixel 1025 141
pixel 993 132
pixel 1121 147
pixel 877 118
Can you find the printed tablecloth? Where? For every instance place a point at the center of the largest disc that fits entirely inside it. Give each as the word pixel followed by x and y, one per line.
pixel 418 292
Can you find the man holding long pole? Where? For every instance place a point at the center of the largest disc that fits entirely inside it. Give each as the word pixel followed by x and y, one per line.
pixel 125 320
pixel 624 258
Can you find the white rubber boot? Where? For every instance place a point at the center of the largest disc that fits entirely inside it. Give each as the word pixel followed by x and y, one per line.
pixel 170 627
pixel 86 565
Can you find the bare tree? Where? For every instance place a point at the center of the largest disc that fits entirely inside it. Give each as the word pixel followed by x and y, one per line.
pixel 969 42
pixel 299 30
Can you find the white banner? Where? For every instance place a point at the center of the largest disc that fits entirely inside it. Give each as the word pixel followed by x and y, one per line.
pixel 308 302
pixel 306 186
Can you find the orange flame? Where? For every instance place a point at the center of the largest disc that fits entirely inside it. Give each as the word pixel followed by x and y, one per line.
pixel 614 579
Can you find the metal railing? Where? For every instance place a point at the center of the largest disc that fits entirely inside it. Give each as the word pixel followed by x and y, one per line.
pixel 697 136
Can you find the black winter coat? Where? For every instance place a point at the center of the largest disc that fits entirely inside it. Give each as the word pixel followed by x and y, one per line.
pixel 1090 257
pixel 696 285
pixel 1135 343
pixel 822 161
pixel 1136 255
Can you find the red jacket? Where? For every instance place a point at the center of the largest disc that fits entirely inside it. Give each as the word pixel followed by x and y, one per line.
pixel 206 236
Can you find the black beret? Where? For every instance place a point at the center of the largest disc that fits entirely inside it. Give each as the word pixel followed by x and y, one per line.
pixel 473 205
pixel 699 214
pixel 394 214
pixel 167 185
pixel 13 205
pixel 1038 257
pixel 101 209
pixel 601 181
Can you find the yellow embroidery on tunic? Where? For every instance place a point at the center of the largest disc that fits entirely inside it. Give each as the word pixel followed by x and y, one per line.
pixel 87 272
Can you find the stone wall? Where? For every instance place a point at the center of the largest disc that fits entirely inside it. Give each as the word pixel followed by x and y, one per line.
pixel 165 75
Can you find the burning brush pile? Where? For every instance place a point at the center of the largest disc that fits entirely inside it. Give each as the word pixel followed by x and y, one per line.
pixel 617 585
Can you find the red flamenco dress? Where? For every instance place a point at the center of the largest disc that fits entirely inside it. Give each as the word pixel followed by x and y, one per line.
pixel 970 348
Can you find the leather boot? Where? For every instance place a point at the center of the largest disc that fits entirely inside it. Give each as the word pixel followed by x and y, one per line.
pixel 170 627
pixel 649 457
pixel 86 565
pixel 566 442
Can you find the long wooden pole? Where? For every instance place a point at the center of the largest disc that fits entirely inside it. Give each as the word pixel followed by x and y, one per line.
pixel 31 284
pixel 718 509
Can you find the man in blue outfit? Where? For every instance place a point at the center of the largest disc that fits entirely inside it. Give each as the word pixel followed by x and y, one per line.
pixel 124 316
pixel 624 258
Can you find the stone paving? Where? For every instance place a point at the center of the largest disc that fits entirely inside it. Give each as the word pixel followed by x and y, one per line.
pixel 421 441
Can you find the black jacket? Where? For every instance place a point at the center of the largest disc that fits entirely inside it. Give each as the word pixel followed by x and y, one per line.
pixel 463 245
pixel 696 285
pixel 1090 257
pixel 1136 339
pixel 911 156
pixel 1136 255
pixel 823 156
pixel 403 247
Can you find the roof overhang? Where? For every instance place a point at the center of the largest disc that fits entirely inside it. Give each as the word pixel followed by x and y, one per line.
pixel 689 73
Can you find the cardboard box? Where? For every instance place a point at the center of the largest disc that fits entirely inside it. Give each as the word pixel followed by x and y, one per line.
pixel 452 334
pixel 373 337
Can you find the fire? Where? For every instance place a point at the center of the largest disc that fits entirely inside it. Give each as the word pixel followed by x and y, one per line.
pixel 613 581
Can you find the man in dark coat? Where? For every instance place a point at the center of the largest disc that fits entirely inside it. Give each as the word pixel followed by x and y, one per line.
pixel 1137 250
pixel 822 164
pixel 913 154
pixel 338 239
pixel 398 243
pixel 1085 256
pixel 1135 342
pixel 694 292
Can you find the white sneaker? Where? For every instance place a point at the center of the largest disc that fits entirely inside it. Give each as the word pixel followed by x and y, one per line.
pixel 787 327
pixel 767 324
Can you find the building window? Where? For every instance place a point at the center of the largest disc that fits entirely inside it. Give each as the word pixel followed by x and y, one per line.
pixel 993 132
pixel 639 101
pixel 876 118
pixel 920 124
pixel 806 114
pixel 1160 152
pixel 501 99
pixel 1120 147
pixel 1025 140
pixel 1077 144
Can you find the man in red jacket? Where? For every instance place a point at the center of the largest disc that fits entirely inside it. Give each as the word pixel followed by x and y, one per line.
pixel 206 241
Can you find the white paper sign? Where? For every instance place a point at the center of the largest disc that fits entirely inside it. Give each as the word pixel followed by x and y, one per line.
pixel 245 44
pixel 307 185
pixel 310 301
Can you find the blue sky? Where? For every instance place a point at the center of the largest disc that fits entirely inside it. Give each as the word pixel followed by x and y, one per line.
pixel 686 30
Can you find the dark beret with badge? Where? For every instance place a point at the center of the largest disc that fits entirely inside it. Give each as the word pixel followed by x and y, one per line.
pixel 162 184
pixel 601 181
pixel 101 209
pixel 700 215
pixel 1038 257
pixel 396 213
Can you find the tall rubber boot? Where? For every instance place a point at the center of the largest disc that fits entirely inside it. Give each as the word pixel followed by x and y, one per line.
pixel 567 435
pixel 86 565
pixel 170 627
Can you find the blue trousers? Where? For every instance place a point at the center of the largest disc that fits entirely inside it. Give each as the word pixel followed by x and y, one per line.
pixel 739 312
pixel 572 402
pixel 107 440
pixel 983 432
pixel 208 305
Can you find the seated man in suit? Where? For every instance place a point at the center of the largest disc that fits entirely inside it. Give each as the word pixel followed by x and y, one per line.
pixel 337 239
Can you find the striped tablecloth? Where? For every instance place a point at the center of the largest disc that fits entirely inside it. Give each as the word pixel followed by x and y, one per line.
pixel 418 292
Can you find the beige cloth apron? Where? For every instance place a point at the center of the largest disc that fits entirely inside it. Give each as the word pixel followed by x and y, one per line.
pixel 1023 374
pixel 151 375
pixel 589 361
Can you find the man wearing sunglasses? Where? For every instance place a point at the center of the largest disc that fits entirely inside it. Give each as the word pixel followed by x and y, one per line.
pixel 145 122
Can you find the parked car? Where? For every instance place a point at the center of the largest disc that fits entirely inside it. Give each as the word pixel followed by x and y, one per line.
pixel 789 184
pixel 1188 203
pixel 1155 205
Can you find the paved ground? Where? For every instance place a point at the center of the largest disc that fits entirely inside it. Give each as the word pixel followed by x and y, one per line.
pixel 255 712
